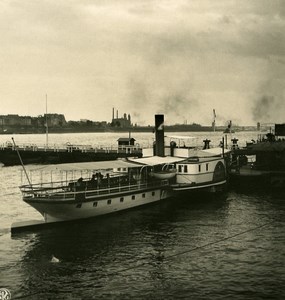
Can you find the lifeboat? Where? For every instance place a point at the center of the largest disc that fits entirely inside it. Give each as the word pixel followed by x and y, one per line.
pixel 168 174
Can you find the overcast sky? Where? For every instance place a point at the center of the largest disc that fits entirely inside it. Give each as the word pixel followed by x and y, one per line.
pixel 180 58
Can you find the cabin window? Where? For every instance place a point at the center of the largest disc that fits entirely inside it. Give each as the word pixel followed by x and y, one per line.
pixel 124 169
pixel 133 197
pixel 109 201
pixel 143 195
pixel 78 205
pixel 122 199
pixel 153 193
pixel 179 168
pixel 199 168
pixel 119 169
pixel 207 167
pixel 185 169
pixel 95 204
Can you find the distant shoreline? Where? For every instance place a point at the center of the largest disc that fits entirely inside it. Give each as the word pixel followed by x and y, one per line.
pixel 86 129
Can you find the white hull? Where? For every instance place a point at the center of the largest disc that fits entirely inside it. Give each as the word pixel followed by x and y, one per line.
pixel 72 210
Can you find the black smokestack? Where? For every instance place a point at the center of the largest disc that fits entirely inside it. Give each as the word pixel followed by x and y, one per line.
pixel 159 135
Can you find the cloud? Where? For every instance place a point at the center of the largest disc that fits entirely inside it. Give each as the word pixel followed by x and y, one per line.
pixel 158 92
pixel 269 109
pixel 269 105
pixel 142 57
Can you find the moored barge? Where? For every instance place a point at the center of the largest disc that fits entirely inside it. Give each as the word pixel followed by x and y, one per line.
pixel 261 161
pixel 35 154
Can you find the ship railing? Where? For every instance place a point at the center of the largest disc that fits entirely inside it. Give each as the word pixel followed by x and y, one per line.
pixel 71 148
pixel 33 147
pixel 48 191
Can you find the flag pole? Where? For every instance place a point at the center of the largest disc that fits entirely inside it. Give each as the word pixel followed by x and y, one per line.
pixel 46 125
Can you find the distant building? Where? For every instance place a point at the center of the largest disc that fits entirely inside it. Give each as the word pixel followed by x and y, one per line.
pixel 123 122
pixel 54 120
pixel 280 129
pixel 126 141
pixel 258 126
pixel 100 124
pixel 15 120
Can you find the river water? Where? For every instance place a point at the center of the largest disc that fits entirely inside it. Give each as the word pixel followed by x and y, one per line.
pixel 227 246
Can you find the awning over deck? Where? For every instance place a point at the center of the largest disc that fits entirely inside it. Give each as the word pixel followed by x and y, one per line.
pixel 93 165
pixel 182 137
pixel 156 160
pixel 212 152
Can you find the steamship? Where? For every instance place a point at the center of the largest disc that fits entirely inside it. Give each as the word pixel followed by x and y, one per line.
pixel 115 186
pixel 197 168
pixel 111 186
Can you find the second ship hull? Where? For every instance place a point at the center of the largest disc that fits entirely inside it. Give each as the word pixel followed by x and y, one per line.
pixel 70 209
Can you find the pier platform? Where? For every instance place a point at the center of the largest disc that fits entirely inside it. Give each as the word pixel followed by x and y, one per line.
pixel 30 225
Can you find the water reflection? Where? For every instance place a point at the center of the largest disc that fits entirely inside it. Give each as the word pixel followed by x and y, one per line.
pixel 136 241
pixel 157 252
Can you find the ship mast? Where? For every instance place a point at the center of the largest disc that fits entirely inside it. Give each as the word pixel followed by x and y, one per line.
pixel 46 125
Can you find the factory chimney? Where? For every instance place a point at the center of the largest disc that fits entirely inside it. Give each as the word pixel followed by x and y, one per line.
pixel 113 114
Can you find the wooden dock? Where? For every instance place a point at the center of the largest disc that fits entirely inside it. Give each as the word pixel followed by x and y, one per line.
pixel 31 225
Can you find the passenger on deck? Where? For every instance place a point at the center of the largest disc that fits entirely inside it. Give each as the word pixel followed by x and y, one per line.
pixel 79 184
pixel 108 179
pixel 99 178
pixel 93 181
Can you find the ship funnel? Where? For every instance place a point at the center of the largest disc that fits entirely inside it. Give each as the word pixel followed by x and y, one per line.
pixel 159 135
